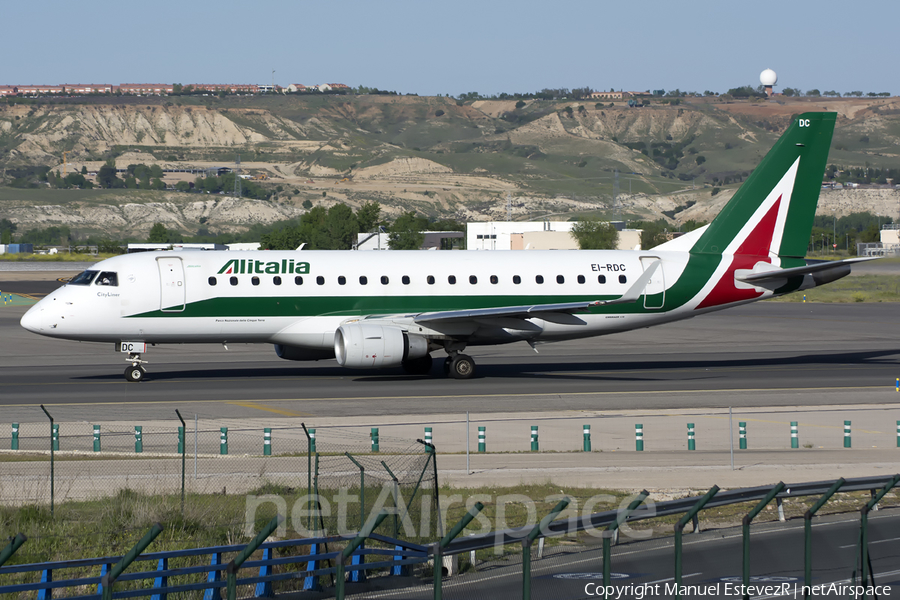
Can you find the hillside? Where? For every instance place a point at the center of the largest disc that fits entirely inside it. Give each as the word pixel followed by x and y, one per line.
pixel 433 155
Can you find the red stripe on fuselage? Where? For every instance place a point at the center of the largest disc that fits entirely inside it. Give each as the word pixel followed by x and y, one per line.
pixel 754 249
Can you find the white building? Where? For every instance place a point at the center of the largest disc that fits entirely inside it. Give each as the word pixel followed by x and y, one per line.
pixel 535 235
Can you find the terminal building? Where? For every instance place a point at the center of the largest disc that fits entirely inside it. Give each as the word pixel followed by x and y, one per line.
pixel 536 235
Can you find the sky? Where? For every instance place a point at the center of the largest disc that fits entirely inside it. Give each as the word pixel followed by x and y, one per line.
pixel 428 48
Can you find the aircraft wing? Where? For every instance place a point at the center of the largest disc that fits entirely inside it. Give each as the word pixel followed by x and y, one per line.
pixel 749 276
pixel 551 312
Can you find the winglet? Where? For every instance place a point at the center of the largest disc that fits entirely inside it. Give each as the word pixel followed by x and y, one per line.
pixel 635 291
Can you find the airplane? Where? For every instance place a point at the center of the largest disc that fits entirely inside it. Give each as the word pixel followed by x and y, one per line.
pixel 396 308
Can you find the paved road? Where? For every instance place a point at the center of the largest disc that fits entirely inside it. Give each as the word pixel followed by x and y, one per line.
pixel 761 355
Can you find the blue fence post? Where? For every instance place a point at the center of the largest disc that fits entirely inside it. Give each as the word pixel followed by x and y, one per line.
pixel 401 570
pixel 213 593
pixel 360 575
pixel 264 588
pixel 46 577
pixel 311 582
pixel 162 581
pixel 104 570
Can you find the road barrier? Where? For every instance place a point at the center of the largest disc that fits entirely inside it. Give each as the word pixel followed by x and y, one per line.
pixel 639 437
pixel 742 433
pixel 428 436
pixel 482 434
pixel 587 439
pixel 267 441
pixel 96 438
pixel 374 435
pixel 138 438
pixel 795 440
pixel 691 444
pixel 534 438
pixel 15 436
pixel 54 436
pixel 223 440
pixel 847 443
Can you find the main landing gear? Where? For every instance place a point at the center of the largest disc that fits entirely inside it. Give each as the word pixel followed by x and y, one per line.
pixel 459 366
pixel 135 372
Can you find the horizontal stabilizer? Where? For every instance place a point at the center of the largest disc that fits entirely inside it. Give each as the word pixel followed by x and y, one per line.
pixel 749 276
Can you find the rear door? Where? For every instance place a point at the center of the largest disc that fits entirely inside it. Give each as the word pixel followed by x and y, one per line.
pixel 655 292
pixel 171 284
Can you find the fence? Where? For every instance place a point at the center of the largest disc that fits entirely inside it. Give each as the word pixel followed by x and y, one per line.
pixel 169 578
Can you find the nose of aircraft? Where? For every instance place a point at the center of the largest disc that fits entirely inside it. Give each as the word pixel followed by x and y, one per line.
pixel 31 320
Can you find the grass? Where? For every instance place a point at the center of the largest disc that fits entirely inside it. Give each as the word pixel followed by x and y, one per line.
pixel 864 288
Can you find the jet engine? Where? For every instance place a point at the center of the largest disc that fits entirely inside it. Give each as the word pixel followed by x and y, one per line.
pixel 367 345
pixel 298 353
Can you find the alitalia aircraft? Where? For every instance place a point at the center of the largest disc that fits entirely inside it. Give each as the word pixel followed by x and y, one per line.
pixel 395 308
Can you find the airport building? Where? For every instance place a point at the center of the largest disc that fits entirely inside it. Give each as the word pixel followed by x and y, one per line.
pixel 536 235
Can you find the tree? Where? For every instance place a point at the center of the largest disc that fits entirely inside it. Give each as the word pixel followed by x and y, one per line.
pixel 594 234
pixel 700 159
pixel 341 227
pixel 406 233
pixel 158 234
pixel 653 233
pixel 183 186
pixel 813 93
pixel 368 216
pixel 84 170
pixel 106 176
pixel 7 229
pixel 790 92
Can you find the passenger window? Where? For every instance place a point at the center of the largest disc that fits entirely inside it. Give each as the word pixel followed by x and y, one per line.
pixel 276 280
pixel 254 280
pixel 384 280
pixel 108 278
pixel 363 280
pixel 623 279
pixel 451 279
pixel 212 281
pixel 84 278
pixel 342 280
pixel 298 280
pixel 494 279
pixel 539 278
pixel 517 280
pixel 232 280
pixel 581 279
pixel 430 280
pixel 405 280
pixel 560 279
pixel 320 280
pixel 601 278
pixel 473 280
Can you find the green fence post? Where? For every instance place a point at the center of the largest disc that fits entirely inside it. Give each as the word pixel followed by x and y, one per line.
pixel 267 441
pixel 312 440
pixel 807 535
pixel 534 438
pixel 138 438
pixel 428 443
pixel 847 434
pixel 438 548
pixel 15 436
pixel 743 435
pixel 96 438
pixel 180 440
pixel 621 517
pixel 350 548
pixel 864 529
pixel 679 530
pixel 182 450
pixel 14 544
pixel 586 446
pixel 795 439
pixel 374 435
pixel 746 533
pixel 54 435
pixel 482 432
pixel 898 434
pixel 691 443
pixel 234 565
pixel 362 501
pixel 223 440
pixel 110 578
pixel 529 540
pixel 639 437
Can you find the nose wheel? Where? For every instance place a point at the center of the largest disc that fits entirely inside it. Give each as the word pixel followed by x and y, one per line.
pixel 135 372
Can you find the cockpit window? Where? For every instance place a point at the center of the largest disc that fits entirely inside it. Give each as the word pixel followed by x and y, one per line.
pixel 108 278
pixel 83 278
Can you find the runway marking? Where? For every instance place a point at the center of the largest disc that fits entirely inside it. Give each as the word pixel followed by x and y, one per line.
pixel 286 413
pixel 465 396
pixel 871 543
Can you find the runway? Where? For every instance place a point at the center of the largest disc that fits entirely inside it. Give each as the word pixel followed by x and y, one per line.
pixel 766 354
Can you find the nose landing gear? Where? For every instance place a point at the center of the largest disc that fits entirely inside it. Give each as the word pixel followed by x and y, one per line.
pixel 135 372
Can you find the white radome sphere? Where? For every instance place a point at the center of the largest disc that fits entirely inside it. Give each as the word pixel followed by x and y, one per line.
pixel 768 77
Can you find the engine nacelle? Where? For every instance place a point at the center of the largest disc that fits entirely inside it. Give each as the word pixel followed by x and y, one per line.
pixel 368 346
pixel 298 353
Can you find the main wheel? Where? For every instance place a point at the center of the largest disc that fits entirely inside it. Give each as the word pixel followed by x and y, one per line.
pixel 462 367
pixel 135 374
pixel 418 366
